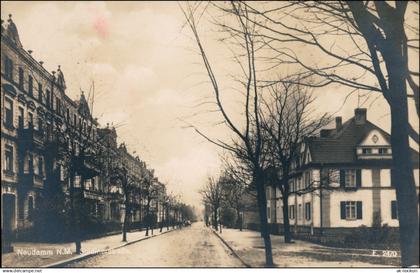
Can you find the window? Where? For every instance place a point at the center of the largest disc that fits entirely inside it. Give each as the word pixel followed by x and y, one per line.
pixel 394 209
pixel 308 211
pixel 30 86
pixel 31 163
pixel 30 120
pixel 40 166
pixel 48 98
pixel 292 211
pixel 88 184
pixel 40 92
pixel 74 120
pixel 57 106
pixel 21 78
pixel 299 213
pixel 9 158
pixel 68 114
pixel 21 117
pixel 8 68
pixel 383 151
pixel 351 210
pixel 40 124
pixel 268 212
pixel 77 181
pixel 350 178
pixel 366 151
pixel 307 179
pixel 30 208
pixel 8 106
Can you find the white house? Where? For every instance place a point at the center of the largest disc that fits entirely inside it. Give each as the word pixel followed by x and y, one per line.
pixel 353 162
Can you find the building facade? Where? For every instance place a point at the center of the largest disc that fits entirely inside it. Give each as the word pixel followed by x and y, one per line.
pixel 51 142
pixel 341 181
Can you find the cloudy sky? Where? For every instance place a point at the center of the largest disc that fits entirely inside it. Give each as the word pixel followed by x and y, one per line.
pixel 148 79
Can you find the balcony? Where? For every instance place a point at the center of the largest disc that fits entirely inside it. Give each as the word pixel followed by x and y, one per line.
pixel 27 179
pixel 86 166
pixel 93 195
pixel 30 138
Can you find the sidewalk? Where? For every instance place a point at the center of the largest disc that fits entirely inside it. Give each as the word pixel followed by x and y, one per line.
pixel 42 254
pixel 249 246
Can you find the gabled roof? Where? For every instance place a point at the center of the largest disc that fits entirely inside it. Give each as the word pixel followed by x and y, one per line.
pixel 340 146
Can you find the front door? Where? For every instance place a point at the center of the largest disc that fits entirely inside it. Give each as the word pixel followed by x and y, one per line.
pixel 8 213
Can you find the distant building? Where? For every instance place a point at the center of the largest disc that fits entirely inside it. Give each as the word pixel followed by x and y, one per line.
pixel 353 162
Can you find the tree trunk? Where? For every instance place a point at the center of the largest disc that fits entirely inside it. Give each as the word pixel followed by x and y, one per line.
pixel 167 218
pixel 220 220
pixel 286 221
pixel 124 230
pixel 147 217
pixel 215 220
pixel 262 205
pixel 238 220
pixel 402 174
pixel 162 219
pixel 74 218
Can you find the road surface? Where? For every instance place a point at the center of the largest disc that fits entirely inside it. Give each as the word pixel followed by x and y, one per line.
pixel 193 246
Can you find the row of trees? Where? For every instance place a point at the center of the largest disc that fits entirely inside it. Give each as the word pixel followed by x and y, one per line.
pixel 225 200
pixel 362 46
pixel 76 154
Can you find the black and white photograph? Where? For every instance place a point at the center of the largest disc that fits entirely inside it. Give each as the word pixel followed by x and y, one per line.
pixel 143 135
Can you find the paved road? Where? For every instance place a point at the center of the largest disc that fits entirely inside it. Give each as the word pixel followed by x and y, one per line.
pixel 194 246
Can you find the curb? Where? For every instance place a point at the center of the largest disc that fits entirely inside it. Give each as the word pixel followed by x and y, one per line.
pixel 231 249
pixel 89 255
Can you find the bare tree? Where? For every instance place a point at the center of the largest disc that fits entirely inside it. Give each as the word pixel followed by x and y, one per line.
pixel 233 192
pixel 249 139
pixel 212 196
pixel 288 122
pixel 150 190
pixel 123 175
pixel 365 45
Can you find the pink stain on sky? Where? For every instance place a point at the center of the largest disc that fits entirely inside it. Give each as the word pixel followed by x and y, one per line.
pixel 101 27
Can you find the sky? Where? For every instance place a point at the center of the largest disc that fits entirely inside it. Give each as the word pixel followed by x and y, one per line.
pixel 149 80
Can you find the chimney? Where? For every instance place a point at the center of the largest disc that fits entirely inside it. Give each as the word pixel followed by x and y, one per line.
pixel 360 116
pixel 338 123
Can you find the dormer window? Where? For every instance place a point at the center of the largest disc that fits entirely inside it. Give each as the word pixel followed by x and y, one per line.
pixel 366 151
pixel 383 151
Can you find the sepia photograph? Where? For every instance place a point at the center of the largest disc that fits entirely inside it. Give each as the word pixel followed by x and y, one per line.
pixel 143 135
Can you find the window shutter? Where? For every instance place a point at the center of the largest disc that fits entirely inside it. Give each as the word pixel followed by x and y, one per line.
pixel 343 209
pixel 358 178
pixel 359 210
pixel 394 214
pixel 342 179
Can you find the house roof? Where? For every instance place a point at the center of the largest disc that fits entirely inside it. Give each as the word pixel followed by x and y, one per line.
pixel 340 146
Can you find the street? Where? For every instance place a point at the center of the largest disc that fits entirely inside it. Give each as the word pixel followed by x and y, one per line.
pixel 193 246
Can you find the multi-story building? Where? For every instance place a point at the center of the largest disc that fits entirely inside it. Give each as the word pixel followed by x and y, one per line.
pixel 353 162
pixel 50 141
